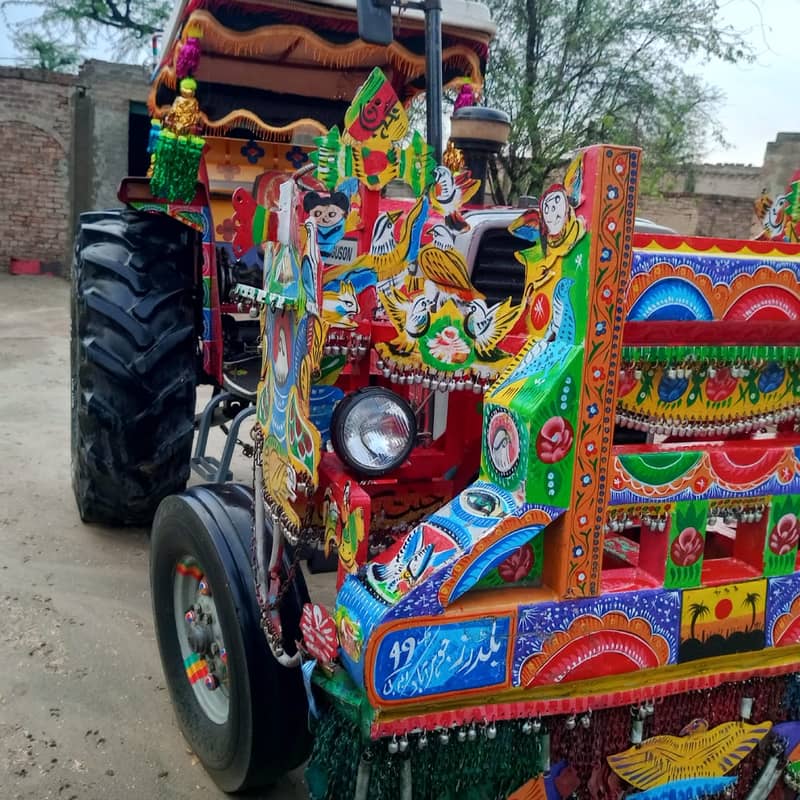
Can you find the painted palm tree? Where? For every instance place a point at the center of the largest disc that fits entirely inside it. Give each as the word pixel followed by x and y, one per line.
pixel 697 611
pixel 751 599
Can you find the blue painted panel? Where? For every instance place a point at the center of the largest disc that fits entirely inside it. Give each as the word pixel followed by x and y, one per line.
pixel 431 660
pixel 782 593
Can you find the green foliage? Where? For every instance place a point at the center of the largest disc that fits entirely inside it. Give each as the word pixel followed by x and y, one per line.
pixel 57 29
pixel 41 53
pixel 575 72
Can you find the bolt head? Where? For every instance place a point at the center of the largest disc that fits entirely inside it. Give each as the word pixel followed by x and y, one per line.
pixel 211 682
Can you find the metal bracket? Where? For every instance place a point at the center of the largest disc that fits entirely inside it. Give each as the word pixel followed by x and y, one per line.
pixel 209 468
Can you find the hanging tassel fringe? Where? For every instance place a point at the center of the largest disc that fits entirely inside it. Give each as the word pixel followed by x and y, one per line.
pixel 177 160
pixel 480 768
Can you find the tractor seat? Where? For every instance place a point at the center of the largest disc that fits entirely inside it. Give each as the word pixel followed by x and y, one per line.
pixel 241 377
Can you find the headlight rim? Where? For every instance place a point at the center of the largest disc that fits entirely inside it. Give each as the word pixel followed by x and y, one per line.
pixel 342 410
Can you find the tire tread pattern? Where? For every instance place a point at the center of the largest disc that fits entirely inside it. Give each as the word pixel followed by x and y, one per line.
pixel 134 360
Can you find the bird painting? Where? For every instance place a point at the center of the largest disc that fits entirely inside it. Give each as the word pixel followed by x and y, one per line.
pixel 527 225
pixel 441 263
pixel 310 267
pixel 388 256
pixel 411 318
pixel 404 570
pixel 542 355
pixel 343 528
pixel 331 520
pixel 488 326
pixel 340 307
pixel 449 192
pixel 698 753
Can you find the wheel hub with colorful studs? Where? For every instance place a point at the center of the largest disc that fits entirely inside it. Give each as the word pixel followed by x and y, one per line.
pixel 200 637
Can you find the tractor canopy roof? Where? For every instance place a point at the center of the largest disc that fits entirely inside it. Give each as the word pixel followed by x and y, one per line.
pixel 285 70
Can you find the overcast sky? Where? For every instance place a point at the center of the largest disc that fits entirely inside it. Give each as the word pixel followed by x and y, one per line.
pixel 760 98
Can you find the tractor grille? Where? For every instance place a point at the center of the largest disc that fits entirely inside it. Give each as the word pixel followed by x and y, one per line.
pixel 496 272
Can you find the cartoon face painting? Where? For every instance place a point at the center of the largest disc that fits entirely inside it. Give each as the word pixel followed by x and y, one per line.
pixel 555 210
pixel 329 212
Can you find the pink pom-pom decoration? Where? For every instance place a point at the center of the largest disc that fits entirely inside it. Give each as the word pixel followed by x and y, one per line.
pixel 466 97
pixel 188 58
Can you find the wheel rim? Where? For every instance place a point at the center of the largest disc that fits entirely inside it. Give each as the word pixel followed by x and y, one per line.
pixel 200 638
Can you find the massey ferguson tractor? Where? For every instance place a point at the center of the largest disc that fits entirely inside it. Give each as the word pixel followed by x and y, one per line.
pixel 556 462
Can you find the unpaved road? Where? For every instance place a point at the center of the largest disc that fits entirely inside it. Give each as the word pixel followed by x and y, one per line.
pixel 84 713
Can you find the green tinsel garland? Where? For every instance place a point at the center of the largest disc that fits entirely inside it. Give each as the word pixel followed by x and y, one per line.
pixel 482 769
pixel 177 159
pixel 656 354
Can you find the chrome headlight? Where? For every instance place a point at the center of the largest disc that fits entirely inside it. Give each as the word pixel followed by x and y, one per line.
pixel 373 430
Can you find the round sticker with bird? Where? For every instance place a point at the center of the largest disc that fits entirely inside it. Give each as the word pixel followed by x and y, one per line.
pixel 503 445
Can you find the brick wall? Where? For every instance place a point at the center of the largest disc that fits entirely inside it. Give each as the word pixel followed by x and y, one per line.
pixel 35 155
pixel 701 214
pixel 63 150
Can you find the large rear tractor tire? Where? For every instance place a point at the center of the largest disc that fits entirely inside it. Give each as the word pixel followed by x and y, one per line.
pixel 243 714
pixel 133 363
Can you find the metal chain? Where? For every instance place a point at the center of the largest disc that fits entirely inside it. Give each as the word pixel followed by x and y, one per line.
pixel 305 535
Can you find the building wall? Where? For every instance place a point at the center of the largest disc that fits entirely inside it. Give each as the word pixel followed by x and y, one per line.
pixel 104 114
pixel 735 180
pixel 717 199
pixel 781 161
pixel 701 215
pixel 63 150
pixel 35 155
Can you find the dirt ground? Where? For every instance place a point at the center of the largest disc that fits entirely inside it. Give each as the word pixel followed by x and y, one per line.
pixel 84 712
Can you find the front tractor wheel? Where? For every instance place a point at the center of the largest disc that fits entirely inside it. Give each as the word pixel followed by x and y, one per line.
pixel 133 363
pixel 242 713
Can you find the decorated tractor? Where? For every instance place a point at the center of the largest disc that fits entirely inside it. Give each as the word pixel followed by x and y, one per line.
pixel 556 462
